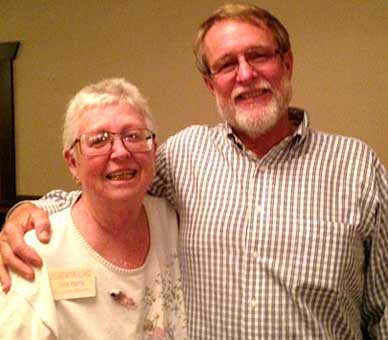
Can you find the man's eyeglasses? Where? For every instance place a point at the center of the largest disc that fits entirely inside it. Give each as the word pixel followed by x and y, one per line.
pixel 255 57
pixel 100 143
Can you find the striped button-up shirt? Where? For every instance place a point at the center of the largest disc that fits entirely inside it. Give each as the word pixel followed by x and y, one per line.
pixel 290 246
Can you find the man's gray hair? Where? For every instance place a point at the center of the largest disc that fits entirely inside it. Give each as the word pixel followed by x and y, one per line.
pixel 240 12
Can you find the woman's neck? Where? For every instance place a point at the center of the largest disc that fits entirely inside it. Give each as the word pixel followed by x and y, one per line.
pixel 118 232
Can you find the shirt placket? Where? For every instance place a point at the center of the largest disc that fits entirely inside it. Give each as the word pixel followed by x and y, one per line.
pixel 254 278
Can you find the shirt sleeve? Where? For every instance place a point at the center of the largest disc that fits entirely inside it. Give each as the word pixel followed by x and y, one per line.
pixel 52 202
pixel 375 302
pixel 18 320
pixel 28 311
pixel 162 184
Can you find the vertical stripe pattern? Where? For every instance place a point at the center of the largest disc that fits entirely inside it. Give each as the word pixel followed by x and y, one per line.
pixel 291 246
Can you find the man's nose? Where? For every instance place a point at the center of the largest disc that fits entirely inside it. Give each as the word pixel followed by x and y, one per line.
pixel 245 71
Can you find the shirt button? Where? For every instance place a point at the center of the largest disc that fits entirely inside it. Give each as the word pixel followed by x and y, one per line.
pixel 253 303
pixel 263 168
pixel 258 209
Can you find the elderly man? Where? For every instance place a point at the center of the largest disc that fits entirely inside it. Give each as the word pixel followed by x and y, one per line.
pixel 283 229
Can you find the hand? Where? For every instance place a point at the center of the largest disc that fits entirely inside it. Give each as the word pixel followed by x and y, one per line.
pixel 15 253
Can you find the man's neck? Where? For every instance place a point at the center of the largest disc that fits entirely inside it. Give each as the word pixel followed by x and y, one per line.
pixel 262 144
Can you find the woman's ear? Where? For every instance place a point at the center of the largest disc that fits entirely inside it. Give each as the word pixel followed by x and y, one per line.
pixel 155 145
pixel 71 161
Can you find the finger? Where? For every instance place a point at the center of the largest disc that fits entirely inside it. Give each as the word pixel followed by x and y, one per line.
pixel 40 221
pixel 5 279
pixel 11 261
pixel 16 250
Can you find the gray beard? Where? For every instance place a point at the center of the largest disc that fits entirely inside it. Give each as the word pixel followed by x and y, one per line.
pixel 263 121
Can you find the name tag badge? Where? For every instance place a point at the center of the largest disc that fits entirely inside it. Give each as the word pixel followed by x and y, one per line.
pixel 72 283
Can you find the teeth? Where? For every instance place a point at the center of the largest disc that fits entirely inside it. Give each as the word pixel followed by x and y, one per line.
pixel 124 175
pixel 252 94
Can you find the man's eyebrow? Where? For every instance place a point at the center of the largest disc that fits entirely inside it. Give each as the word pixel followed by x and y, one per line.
pixel 224 58
pixel 248 49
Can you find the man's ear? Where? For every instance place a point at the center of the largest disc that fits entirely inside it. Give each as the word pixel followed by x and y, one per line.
pixel 71 162
pixel 288 61
pixel 209 84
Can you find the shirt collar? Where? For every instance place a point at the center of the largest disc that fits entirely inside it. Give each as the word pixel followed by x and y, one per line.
pixel 298 117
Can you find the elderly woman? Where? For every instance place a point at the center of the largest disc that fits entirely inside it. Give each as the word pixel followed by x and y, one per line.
pixel 111 270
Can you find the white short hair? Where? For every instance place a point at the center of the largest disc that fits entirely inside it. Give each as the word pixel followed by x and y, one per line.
pixel 105 92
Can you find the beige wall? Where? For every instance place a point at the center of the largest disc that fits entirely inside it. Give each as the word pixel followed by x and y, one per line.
pixel 340 74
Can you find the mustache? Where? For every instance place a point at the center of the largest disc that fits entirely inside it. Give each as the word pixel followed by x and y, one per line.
pixel 259 86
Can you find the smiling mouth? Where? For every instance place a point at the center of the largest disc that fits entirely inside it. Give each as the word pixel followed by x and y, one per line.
pixel 252 94
pixel 122 175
